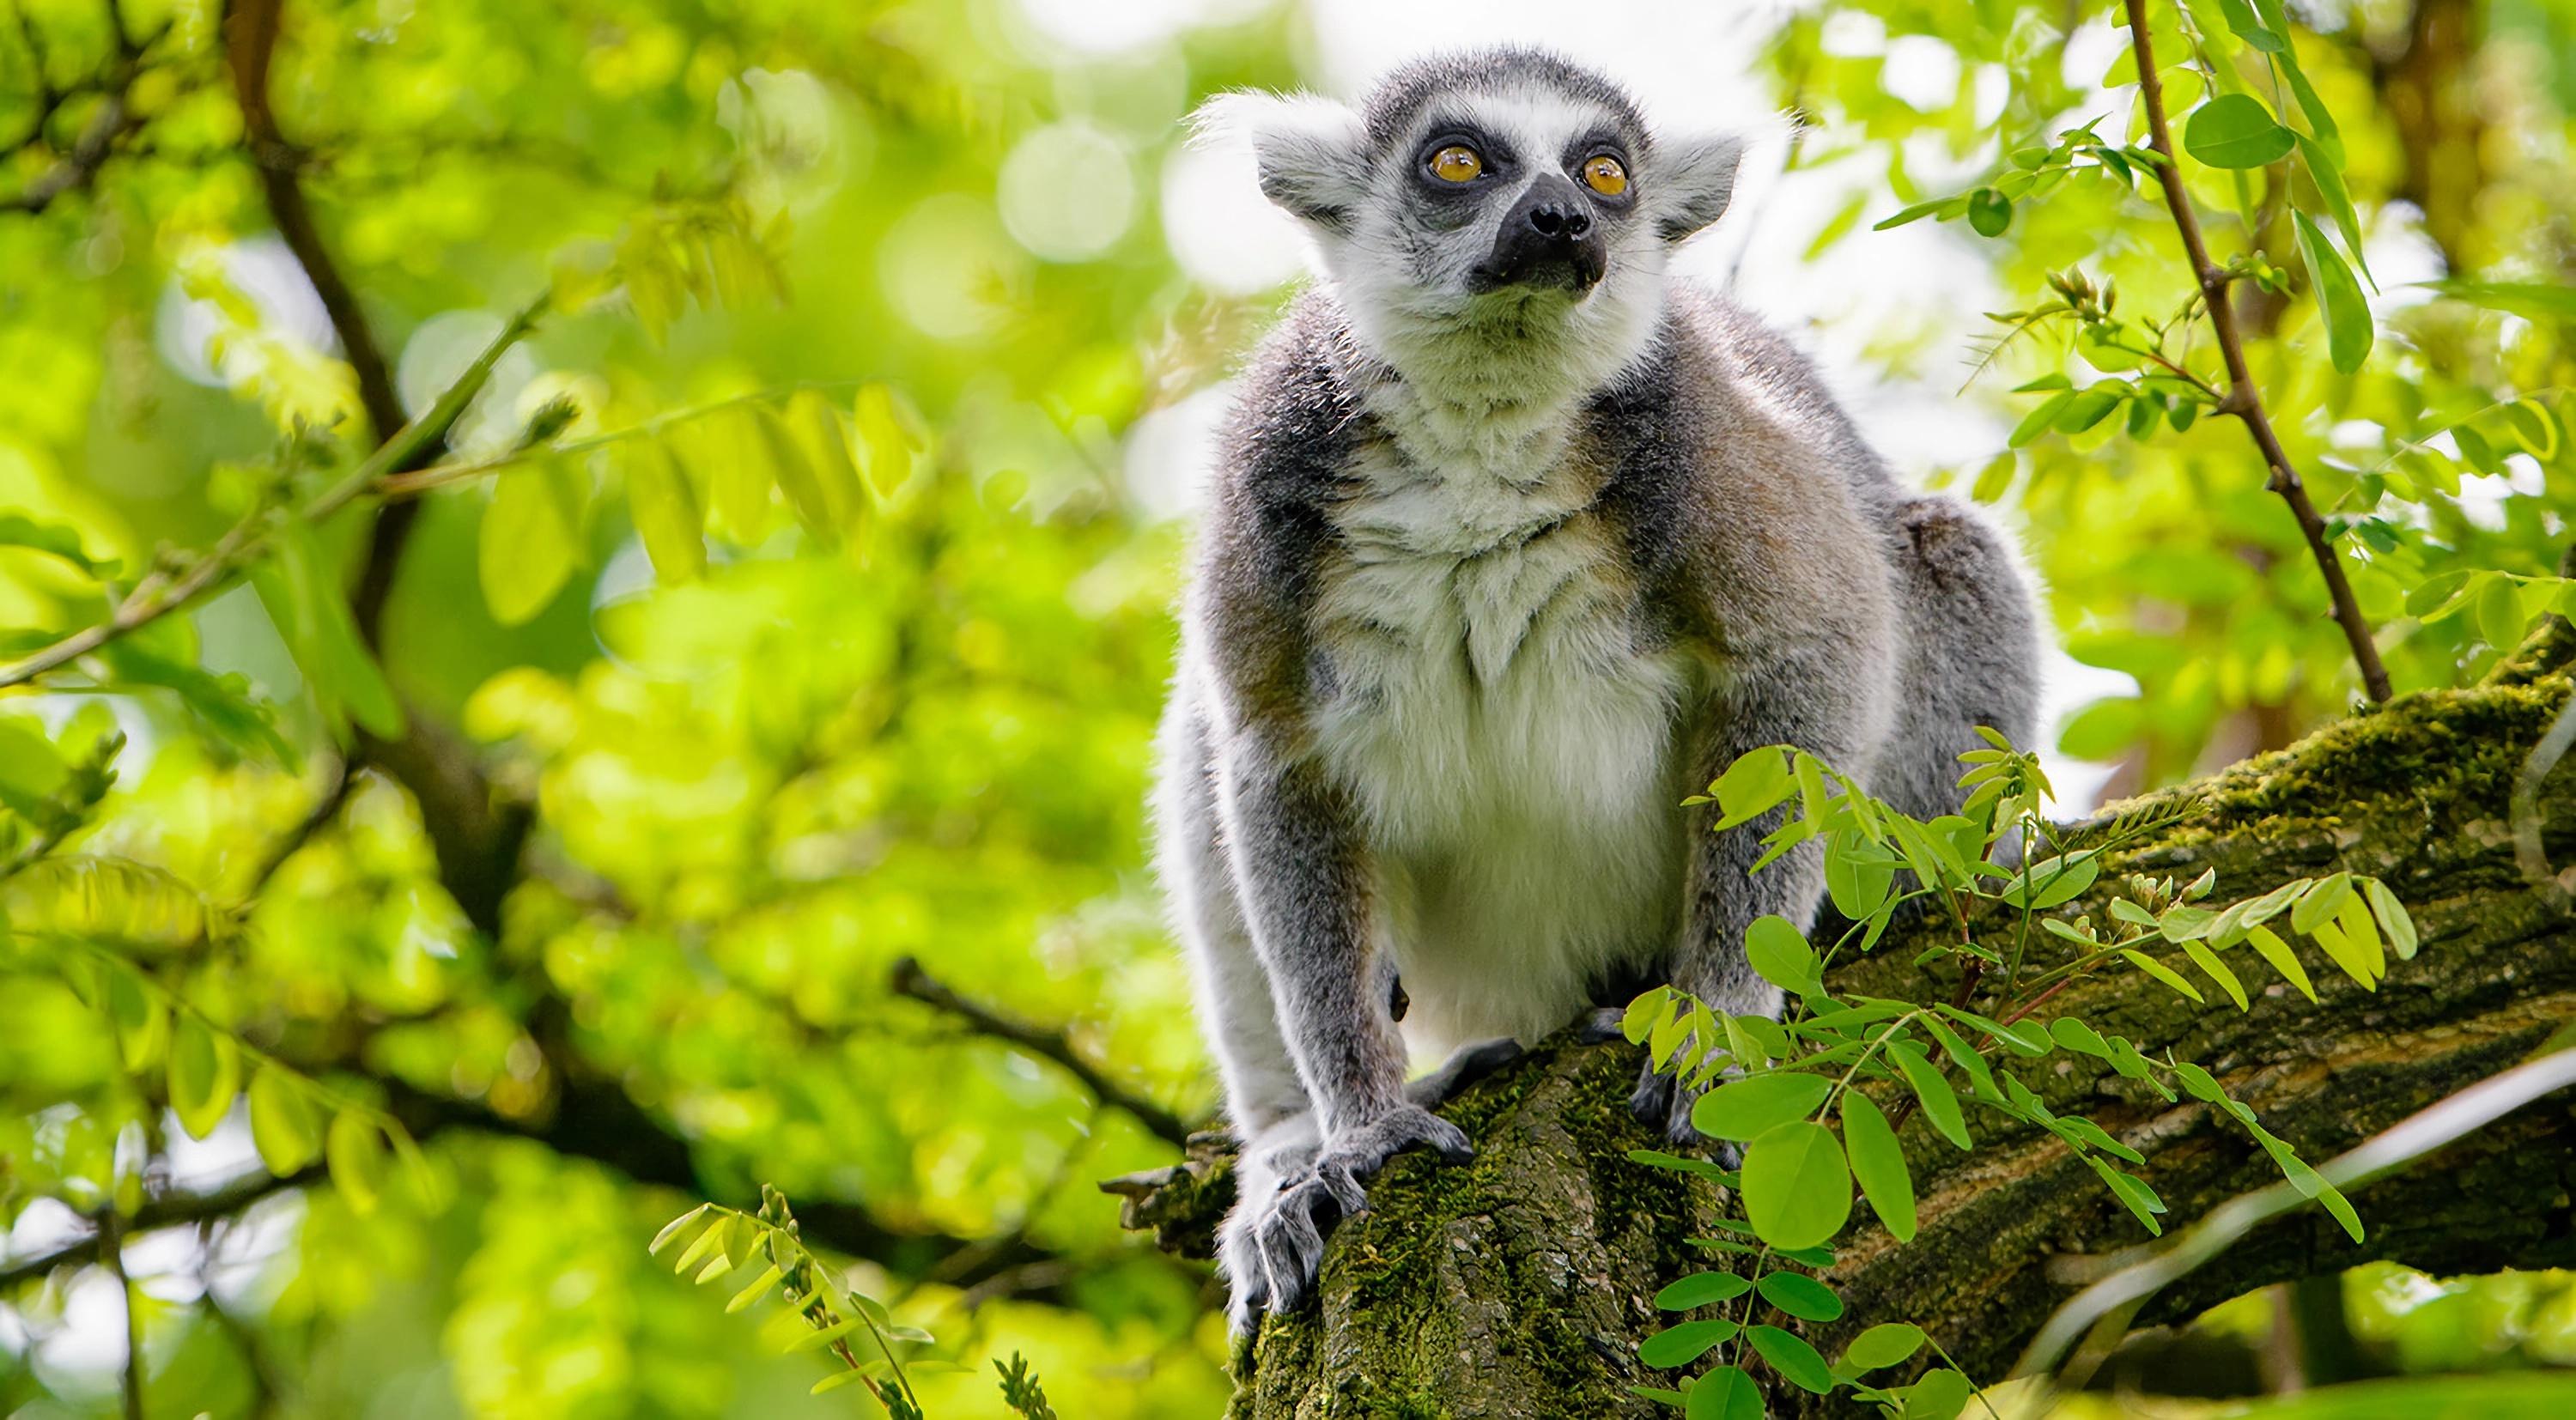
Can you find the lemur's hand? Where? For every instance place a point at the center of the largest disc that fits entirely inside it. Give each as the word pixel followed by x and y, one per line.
pixel 1274 1244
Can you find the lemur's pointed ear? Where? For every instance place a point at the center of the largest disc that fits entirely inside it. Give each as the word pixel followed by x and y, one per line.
pixel 1311 153
pixel 1692 179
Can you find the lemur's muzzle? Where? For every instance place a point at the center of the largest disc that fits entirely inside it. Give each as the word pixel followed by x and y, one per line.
pixel 1549 238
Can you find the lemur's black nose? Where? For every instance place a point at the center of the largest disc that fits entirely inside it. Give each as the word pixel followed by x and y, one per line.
pixel 1556 219
pixel 1550 237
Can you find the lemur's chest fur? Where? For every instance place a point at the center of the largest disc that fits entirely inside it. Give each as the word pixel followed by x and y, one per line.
pixel 1505 733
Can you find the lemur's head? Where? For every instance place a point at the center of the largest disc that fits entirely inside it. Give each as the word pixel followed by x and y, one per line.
pixel 1495 223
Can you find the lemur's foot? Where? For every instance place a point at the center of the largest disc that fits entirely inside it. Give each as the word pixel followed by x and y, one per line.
pixel 1464 1067
pixel 1273 1243
pixel 1603 1026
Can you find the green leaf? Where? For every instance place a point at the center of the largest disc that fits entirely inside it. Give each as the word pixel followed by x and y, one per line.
pixel 2271 948
pixel 826 443
pixel 355 1150
pixel 2053 882
pixel 2322 900
pixel 1752 786
pixel 1683 1344
pixel 1780 955
pixel 675 1227
pixel 2163 973
pixel 1940 1102
pixel 204 1074
pixel 1797 1188
pixel 1701 1289
pixel 1725 1393
pixel 1743 1109
pixel 1795 1360
pixel 1656 1158
pixel 2039 419
pixel 2236 131
pixel 882 441
pixel 2076 1035
pixel 2535 300
pixel 755 1291
pixel 52 539
pixel 2216 970
pixel 2500 619
pixel 665 508
pixel 838 1379
pixel 796 476
pixel 530 538
pixel 1800 1296
pixel 2349 329
pixel 282 1126
pixel 1989 212
pixel 303 597
pixel 1645 1013
pixel 2392 917
pixel 2328 176
pixel 2241 18
pixel 1883 1345
pixel 1878 1162
pixel 2533 427
pixel 820 1337
pixel 1940 1395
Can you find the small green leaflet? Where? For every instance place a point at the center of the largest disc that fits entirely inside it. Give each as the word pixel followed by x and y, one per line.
pixel 1725 1393
pixel 1800 1296
pixel 2349 329
pixel 1744 1109
pixel 1701 1289
pixel 1885 1344
pixel 1781 956
pixel 1797 1188
pixel 2236 131
pixel 1795 1360
pixel 1683 1344
pixel 1878 1162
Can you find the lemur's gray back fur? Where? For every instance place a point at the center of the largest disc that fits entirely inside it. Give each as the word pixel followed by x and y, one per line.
pixel 1494 573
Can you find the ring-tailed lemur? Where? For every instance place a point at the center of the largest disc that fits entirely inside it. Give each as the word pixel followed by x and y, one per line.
pixel 1514 543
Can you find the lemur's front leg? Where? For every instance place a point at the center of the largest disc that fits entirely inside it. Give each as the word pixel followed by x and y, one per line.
pixel 1304 877
pixel 1816 697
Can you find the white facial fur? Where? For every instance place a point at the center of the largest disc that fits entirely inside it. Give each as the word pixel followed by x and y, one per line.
pixel 1499 364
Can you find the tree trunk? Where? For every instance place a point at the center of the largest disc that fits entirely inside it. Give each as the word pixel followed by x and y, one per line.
pixel 1518 1285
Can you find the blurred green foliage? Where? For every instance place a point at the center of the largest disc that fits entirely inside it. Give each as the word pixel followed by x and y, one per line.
pixel 397 935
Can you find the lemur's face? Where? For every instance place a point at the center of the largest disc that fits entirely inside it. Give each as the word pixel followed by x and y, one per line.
pixel 1504 206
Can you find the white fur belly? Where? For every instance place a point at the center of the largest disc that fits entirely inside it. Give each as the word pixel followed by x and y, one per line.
pixel 1510 754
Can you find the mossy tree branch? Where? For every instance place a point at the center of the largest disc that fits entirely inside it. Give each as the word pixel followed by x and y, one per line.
pixel 1520 1284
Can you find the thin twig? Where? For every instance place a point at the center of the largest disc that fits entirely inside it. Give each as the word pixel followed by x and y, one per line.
pixel 111 1246
pixel 2243 399
pixel 173 1210
pixel 910 980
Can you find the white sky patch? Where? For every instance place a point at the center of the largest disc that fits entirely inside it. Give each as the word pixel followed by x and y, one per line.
pixel 1221 230
pixel 1922 71
pixel 1067 192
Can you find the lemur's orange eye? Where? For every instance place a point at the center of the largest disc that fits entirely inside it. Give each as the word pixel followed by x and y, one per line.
pixel 1604 175
pixel 1457 163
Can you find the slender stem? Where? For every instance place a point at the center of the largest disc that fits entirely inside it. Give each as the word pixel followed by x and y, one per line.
pixel 2243 399
pixel 111 1247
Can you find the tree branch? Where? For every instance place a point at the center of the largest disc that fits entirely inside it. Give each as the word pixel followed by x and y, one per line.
pixel 1522 1281
pixel 2244 399
pixel 910 980
pixel 168 1211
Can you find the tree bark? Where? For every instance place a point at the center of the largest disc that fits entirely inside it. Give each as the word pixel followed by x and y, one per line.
pixel 1519 1285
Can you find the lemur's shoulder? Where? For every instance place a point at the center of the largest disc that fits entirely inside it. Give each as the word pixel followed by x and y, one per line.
pixel 1742 490
pixel 1284 452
